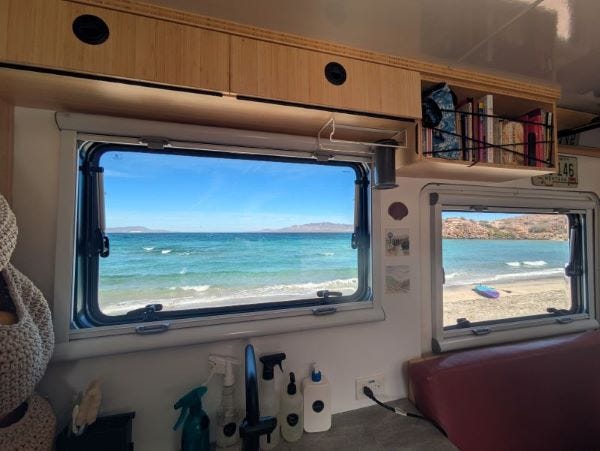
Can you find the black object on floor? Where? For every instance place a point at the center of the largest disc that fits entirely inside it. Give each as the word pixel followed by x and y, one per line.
pixel 107 433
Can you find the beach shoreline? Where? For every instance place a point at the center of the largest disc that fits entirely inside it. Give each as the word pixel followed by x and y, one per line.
pixel 519 298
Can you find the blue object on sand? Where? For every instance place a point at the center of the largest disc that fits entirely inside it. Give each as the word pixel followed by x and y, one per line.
pixel 486 291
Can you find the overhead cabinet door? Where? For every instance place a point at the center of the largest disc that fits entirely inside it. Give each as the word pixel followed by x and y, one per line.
pixel 278 72
pixel 63 35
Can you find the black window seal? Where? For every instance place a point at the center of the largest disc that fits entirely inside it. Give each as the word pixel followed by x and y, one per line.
pixel 87 312
pixel 579 303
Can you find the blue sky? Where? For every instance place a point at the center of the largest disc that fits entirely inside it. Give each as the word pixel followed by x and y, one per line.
pixel 189 194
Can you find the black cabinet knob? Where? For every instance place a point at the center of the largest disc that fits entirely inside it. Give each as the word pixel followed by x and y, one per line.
pixel 335 73
pixel 90 29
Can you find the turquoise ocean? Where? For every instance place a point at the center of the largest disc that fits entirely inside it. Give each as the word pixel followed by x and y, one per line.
pixel 468 262
pixel 187 270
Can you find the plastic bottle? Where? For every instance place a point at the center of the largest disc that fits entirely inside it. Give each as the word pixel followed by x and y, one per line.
pixel 292 412
pixel 228 417
pixel 269 398
pixel 195 436
pixel 317 401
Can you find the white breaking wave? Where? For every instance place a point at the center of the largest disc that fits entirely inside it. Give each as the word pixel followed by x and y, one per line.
pixel 539 274
pixel 513 263
pixel 148 249
pixel 327 254
pixel 198 288
pixel 535 263
pixel 215 296
pixel 183 271
pixel 166 251
pixel 451 275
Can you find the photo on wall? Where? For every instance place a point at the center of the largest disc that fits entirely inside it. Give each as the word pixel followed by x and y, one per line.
pixel 397 279
pixel 397 242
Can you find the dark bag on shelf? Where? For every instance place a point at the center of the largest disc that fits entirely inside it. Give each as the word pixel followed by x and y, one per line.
pixel 438 105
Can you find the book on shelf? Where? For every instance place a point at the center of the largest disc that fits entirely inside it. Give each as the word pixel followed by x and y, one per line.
pixel 513 138
pixel 497 124
pixel 537 127
pixel 486 128
pixel 466 120
pixel 476 134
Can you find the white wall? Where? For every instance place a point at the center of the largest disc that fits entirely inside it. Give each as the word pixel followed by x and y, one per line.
pixel 151 382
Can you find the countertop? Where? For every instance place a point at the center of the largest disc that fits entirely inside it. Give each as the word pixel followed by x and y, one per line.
pixel 374 429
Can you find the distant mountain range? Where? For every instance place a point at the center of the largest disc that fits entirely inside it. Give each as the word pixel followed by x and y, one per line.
pixel 315 227
pixel 134 229
pixel 524 227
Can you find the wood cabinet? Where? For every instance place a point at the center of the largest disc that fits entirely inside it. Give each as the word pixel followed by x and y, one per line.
pixel 40 33
pixel 272 71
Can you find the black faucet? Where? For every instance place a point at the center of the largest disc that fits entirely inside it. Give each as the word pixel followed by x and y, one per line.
pixel 253 425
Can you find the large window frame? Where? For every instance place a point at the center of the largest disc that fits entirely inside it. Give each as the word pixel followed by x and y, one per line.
pixel 581 209
pixel 92 243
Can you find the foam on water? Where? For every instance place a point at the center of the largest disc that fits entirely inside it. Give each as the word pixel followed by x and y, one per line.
pixel 536 263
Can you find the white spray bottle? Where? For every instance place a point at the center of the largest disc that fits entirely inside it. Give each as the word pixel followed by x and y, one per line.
pixel 269 398
pixel 228 417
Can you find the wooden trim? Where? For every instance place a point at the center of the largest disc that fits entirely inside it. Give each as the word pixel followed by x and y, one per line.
pixel 579 151
pixel 6 148
pixel 429 71
pixel 567 119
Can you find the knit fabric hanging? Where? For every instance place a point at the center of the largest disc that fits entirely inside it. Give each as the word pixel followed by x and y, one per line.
pixel 8 232
pixel 26 346
pixel 33 432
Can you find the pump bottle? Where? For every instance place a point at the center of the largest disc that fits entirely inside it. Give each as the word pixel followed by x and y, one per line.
pixel 269 398
pixel 317 401
pixel 195 422
pixel 292 412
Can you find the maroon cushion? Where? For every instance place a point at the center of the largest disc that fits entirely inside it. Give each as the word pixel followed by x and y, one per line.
pixel 536 395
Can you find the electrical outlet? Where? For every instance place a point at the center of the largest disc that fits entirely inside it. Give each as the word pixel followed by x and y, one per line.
pixel 375 383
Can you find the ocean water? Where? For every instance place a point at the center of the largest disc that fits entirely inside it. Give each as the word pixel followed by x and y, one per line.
pixel 190 270
pixel 487 261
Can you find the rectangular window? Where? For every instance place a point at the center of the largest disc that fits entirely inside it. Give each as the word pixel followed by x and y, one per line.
pixel 504 266
pixel 180 233
pixel 506 261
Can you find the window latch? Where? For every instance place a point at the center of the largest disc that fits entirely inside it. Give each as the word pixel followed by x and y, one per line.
pixel 481 331
pixel 103 248
pixel 355 241
pixel 574 268
pixel 557 311
pixel 148 313
pixel 463 323
pixel 154 142
pixel 326 294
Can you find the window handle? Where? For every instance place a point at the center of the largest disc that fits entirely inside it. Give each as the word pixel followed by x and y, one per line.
pixel 148 312
pixel 574 267
pixel 104 242
pixel 326 294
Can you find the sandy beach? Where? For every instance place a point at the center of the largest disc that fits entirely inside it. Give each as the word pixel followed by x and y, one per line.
pixel 516 299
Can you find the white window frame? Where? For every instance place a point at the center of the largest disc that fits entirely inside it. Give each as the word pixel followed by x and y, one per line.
pixel 440 197
pixel 113 339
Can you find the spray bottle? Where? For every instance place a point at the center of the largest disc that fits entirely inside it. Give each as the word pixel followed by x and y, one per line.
pixel 269 398
pixel 195 422
pixel 228 417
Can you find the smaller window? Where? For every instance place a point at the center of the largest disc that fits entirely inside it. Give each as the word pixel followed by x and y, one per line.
pixel 200 234
pixel 509 261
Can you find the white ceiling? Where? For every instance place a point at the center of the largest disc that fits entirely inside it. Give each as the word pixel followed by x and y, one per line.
pixel 552 40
